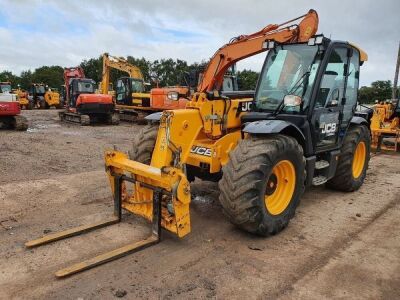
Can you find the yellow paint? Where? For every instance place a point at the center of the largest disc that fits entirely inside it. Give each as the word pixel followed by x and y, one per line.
pixel 52 98
pixel 283 187
pixel 359 160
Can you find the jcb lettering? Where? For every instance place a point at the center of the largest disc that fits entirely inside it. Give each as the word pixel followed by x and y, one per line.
pixel 246 106
pixel 329 128
pixel 201 151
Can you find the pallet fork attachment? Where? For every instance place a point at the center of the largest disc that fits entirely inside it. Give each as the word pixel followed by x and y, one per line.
pixel 153 239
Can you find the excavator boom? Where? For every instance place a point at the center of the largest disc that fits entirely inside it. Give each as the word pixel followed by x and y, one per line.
pixel 118 63
pixel 244 46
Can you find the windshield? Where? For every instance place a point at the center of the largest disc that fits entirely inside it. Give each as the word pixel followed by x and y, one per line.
pixel 40 89
pixel 137 86
pixel 5 88
pixel 85 87
pixel 290 69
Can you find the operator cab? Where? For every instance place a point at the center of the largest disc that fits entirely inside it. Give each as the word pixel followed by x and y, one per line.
pixel 78 86
pixel 126 86
pixel 5 87
pixel 312 86
pixel 37 89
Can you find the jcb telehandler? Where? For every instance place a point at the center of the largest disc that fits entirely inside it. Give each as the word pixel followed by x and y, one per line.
pixel 82 104
pixel 299 130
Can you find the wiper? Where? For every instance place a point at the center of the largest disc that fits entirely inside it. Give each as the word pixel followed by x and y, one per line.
pixel 303 78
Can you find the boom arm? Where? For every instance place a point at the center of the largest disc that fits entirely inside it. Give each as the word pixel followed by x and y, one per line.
pixel 244 46
pixel 119 64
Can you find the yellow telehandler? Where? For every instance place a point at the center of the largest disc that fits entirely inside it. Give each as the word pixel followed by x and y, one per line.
pixel 299 130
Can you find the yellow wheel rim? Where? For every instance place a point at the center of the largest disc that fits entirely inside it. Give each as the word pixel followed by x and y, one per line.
pixel 280 187
pixel 359 160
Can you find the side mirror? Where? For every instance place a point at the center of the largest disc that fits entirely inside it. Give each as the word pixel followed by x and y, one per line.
pixel 333 103
pixel 173 96
pixel 292 101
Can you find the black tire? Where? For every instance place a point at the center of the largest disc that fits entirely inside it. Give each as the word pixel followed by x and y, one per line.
pixel 244 182
pixel 143 144
pixel 344 179
pixel 42 104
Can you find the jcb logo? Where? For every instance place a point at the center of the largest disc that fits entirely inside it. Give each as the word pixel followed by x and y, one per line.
pixel 245 106
pixel 201 150
pixel 329 128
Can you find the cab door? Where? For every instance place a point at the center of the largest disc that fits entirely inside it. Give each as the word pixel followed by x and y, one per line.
pixel 123 95
pixel 327 118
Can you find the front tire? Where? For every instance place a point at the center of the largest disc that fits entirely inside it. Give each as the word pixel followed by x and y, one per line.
pixel 143 144
pixel 353 162
pixel 262 183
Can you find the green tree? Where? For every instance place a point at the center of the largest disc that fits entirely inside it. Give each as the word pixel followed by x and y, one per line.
pixel 247 79
pixel 50 75
pixel 93 68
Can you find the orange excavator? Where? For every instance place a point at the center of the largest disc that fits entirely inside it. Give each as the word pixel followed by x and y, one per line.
pixel 298 130
pixel 82 104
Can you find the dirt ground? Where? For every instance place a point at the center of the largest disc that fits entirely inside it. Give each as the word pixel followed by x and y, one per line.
pixel 339 245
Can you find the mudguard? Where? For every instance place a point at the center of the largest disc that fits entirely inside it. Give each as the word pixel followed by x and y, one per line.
pixel 154 117
pixel 359 121
pixel 271 126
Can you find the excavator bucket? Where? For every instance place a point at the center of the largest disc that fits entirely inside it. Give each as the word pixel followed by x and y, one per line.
pixel 160 196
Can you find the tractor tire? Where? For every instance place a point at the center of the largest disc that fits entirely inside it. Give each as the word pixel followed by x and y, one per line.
pixel 143 144
pixel 85 120
pixel 262 183
pixel 42 104
pixel 20 123
pixel 353 161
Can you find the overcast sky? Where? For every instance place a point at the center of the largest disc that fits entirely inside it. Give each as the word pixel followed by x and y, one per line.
pixel 35 33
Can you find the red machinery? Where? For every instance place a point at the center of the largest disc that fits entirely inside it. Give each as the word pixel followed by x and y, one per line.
pixel 82 104
pixel 10 109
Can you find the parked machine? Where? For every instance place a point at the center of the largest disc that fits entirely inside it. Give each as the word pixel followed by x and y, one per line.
pixel 36 92
pixel 24 102
pixel 131 97
pixel 52 98
pixel 10 109
pixel 385 126
pixel 298 131
pixel 82 104
pixel 385 122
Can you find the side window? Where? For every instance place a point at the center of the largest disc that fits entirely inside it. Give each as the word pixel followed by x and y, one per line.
pixel 352 87
pixel 331 89
pixel 121 89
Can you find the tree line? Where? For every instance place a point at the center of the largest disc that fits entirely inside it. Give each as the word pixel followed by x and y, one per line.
pixel 163 72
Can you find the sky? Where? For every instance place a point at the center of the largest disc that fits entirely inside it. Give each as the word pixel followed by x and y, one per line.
pixel 35 33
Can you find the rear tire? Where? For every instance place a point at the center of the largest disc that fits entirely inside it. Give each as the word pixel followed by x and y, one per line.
pixel 349 176
pixel 251 178
pixel 143 144
pixel 43 104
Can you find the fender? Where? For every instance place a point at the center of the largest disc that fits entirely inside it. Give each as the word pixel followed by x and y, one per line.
pixel 154 117
pixel 271 126
pixel 265 127
pixel 358 121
